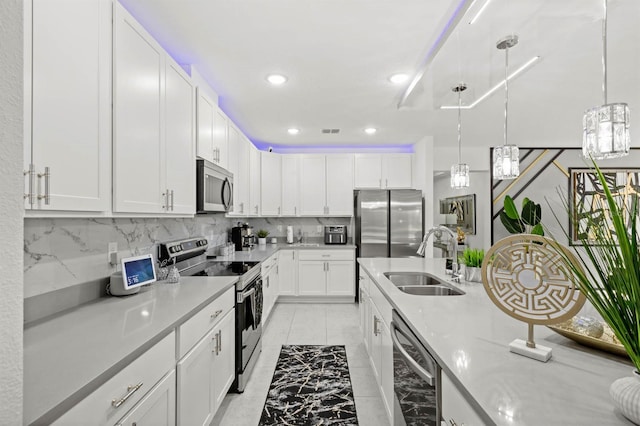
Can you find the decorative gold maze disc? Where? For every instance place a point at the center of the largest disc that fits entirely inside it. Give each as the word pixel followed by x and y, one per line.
pixel 526 277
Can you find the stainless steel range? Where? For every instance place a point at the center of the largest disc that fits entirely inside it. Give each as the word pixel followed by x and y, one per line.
pixel 191 260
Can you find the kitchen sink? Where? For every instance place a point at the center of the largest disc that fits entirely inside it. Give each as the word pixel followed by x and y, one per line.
pixel 431 290
pixel 421 283
pixel 412 278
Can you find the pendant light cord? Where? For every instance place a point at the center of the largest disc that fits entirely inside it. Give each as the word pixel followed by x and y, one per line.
pixel 459 125
pixel 604 53
pixel 506 90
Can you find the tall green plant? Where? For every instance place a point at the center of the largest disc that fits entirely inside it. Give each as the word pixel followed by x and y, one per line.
pixel 472 257
pixel 526 222
pixel 610 272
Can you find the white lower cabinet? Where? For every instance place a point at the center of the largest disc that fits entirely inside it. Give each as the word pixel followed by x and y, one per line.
pixel 126 392
pixel 455 408
pixel 270 279
pixel 374 322
pixel 326 273
pixel 287 272
pixel 157 408
pixel 206 373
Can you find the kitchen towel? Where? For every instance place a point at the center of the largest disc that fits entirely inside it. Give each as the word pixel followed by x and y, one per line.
pixel 310 386
pixel 289 234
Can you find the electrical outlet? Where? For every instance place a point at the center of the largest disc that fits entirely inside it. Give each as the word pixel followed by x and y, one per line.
pixel 319 229
pixel 112 255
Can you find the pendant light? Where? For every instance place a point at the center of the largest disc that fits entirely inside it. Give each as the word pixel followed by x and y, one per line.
pixel 506 161
pixel 460 171
pixel 606 127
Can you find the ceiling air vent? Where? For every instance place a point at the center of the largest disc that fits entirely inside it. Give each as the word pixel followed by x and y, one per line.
pixel 330 131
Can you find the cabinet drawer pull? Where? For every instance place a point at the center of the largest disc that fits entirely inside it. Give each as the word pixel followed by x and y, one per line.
pixel 216 314
pixel 47 192
pixel 220 341
pixel 171 199
pixel 31 173
pixel 326 255
pixel 215 347
pixel 131 389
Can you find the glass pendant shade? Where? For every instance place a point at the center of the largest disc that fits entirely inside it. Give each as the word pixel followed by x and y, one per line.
pixel 606 132
pixel 460 176
pixel 506 162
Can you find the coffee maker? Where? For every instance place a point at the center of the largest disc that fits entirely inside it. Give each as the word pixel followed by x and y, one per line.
pixel 242 236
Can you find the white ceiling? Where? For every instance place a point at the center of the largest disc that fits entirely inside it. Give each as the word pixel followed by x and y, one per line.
pixel 338 55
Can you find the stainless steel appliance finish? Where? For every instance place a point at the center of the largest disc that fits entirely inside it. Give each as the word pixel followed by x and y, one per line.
pixel 416 379
pixel 335 234
pixel 389 223
pixel 214 188
pixel 242 236
pixel 190 258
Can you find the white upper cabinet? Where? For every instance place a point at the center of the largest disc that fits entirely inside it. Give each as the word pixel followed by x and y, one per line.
pixel 68 121
pixel 234 165
pixel 383 171
pixel 206 108
pixel 220 141
pixel 179 140
pixel 138 116
pixel 271 184
pixel 242 179
pixel 153 144
pixel 290 185
pixel 313 185
pixel 339 185
pixel 254 180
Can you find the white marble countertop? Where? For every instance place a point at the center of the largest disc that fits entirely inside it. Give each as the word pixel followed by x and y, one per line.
pixel 260 253
pixel 469 336
pixel 72 354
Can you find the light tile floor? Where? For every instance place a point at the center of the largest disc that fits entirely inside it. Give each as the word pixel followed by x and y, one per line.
pixel 311 324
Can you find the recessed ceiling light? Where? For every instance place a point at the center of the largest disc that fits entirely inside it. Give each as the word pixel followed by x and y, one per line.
pixel 276 79
pixel 398 78
pixel 370 130
pixel 293 131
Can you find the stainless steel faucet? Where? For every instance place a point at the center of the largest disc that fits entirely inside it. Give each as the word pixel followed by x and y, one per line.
pixel 455 275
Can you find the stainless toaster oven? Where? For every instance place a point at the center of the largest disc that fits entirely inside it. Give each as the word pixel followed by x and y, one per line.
pixel 335 234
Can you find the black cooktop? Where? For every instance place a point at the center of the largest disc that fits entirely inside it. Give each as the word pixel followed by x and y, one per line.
pixel 217 269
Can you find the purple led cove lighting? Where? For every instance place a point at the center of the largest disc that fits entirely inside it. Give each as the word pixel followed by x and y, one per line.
pixel 448 28
pixel 328 149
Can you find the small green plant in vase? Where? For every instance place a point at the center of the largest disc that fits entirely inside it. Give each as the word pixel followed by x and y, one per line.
pixel 262 237
pixel 472 260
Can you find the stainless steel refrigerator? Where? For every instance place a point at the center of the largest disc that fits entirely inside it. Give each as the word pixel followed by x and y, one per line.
pixel 389 223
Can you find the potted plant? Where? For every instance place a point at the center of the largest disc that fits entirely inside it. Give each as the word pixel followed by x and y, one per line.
pixel 472 261
pixel 610 279
pixel 262 237
pixel 527 222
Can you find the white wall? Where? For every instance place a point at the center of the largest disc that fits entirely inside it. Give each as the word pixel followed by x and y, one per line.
pixel 11 210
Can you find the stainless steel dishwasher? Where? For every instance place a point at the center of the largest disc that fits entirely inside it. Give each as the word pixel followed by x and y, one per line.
pixel 416 379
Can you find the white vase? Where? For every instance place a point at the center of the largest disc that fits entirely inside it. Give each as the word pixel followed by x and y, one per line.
pixel 473 274
pixel 262 241
pixel 625 393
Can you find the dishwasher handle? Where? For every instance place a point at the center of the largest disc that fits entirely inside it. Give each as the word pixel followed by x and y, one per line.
pixel 424 374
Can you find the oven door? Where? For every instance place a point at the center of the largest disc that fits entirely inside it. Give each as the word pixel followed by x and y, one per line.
pixel 248 321
pixel 416 379
pixel 214 188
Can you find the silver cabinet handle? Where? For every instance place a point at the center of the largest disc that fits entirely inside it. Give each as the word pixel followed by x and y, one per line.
pixel 165 194
pixel 386 183
pixel 216 314
pixel 31 172
pixel 220 341
pixel 215 347
pixel 326 255
pixel 256 209
pixel 375 325
pixel 131 389
pixel 171 199
pixel 380 183
pixel 241 207
pixel 293 255
pixel 278 210
pixel 47 193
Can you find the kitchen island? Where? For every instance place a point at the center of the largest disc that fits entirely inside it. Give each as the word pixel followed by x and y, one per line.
pixel 469 338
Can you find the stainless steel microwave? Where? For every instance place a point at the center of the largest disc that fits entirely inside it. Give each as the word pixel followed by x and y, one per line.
pixel 214 188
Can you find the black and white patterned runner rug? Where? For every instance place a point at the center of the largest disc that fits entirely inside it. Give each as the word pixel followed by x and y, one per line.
pixel 310 386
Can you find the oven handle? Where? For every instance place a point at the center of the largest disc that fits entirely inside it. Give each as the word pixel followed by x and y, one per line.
pixel 424 374
pixel 243 296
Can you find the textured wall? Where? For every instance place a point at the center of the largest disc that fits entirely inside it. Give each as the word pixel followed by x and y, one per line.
pixel 11 211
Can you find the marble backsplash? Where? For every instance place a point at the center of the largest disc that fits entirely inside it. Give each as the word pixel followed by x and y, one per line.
pixel 64 252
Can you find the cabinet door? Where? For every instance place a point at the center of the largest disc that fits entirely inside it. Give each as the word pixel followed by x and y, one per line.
pixel 374 340
pixel 206 106
pixel 220 141
pixel 290 185
pixel 312 185
pixel 157 408
pixel 397 170
pixel 368 171
pixel 254 176
pixel 179 140
pixel 312 278
pixel 270 184
pixel 386 368
pixel 224 368
pixel 234 164
pixel 242 180
pixel 195 390
pixel 287 271
pixel 340 278
pixel 70 108
pixel 340 185
pixel 455 407
pixel 138 81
